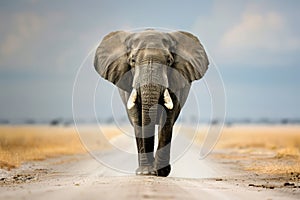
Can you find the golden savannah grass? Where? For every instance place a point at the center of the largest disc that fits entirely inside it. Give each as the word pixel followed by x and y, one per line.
pixel 268 149
pixel 25 143
pixel 263 149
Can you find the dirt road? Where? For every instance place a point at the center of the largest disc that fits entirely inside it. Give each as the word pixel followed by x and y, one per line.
pixel 82 177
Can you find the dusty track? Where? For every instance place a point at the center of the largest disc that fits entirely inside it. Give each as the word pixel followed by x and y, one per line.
pixel 82 177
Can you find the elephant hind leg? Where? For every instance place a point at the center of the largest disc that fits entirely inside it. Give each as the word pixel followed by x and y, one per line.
pixel 162 157
pixel 164 172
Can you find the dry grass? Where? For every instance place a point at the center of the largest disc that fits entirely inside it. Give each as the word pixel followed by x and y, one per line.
pixel 25 143
pixel 268 137
pixel 263 149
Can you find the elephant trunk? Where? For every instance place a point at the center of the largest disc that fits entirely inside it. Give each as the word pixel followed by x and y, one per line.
pixel 151 80
pixel 150 95
pixel 150 91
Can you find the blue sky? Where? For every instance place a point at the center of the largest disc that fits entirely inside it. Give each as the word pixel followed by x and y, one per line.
pixel 255 44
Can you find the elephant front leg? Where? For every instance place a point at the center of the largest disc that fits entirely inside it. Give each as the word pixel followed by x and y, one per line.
pixel 145 147
pixel 162 157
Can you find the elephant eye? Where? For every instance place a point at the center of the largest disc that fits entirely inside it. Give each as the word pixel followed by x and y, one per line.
pixel 132 60
pixel 169 60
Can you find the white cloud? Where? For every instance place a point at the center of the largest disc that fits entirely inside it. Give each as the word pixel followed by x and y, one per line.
pixel 28 39
pixel 48 41
pixel 267 31
pixel 23 28
pixel 249 34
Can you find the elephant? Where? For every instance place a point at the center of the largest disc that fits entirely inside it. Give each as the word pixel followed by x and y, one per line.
pixel 153 71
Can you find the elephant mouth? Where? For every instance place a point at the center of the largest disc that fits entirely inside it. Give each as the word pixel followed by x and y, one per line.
pixel 166 97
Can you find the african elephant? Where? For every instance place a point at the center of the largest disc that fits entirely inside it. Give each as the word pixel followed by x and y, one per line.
pixel 153 71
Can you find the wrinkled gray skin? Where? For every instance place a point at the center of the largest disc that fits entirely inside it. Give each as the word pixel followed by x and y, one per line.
pixel 144 65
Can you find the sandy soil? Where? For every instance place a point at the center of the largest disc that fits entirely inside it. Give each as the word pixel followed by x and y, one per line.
pixel 222 175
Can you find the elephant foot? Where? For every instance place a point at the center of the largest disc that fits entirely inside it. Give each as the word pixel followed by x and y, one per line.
pixel 145 171
pixel 164 172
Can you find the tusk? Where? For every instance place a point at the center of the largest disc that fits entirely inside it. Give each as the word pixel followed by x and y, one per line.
pixel 168 100
pixel 132 99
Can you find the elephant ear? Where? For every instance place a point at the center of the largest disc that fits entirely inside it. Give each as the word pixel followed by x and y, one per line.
pixel 111 60
pixel 190 59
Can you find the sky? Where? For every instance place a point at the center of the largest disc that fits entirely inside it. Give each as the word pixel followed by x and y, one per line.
pixel 254 45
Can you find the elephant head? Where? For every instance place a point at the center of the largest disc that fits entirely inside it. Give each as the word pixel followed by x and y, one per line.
pixel 120 51
pixel 151 68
